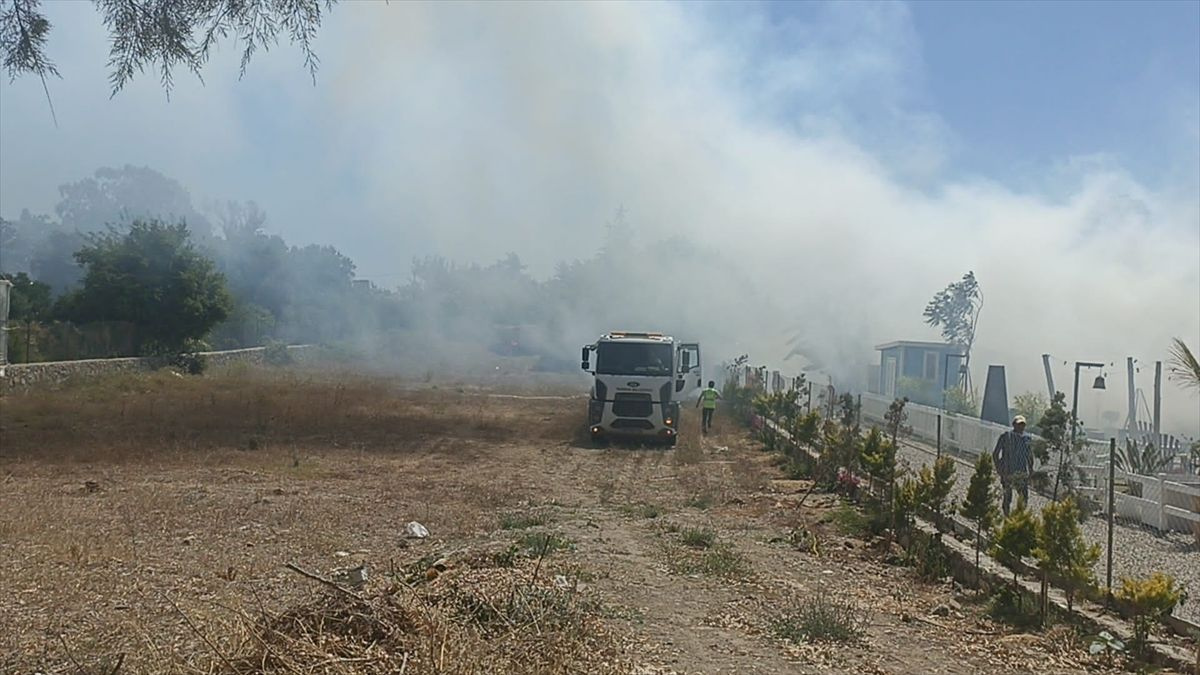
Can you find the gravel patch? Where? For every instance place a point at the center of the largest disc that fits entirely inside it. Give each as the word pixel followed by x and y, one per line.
pixel 1137 551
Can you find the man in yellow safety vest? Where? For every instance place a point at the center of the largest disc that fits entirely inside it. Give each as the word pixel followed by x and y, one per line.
pixel 709 398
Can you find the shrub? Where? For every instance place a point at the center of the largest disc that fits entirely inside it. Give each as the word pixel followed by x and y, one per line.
pixel 276 353
pixel 1152 598
pixel 698 538
pixel 850 521
pixel 190 363
pixel 1061 550
pixel 1007 606
pixel 934 484
pixel 980 504
pixel 1015 539
pixel 522 520
pixel 928 557
pixel 820 618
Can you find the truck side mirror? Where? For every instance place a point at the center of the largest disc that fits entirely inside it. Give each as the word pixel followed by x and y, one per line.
pixel 585 365
pixel 583 359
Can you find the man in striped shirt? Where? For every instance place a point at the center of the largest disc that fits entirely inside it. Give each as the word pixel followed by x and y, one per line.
pixel 1014 462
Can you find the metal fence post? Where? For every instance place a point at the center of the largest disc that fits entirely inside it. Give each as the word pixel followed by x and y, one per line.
pixel 1162 502
pixel 939 436
pixel 1112 456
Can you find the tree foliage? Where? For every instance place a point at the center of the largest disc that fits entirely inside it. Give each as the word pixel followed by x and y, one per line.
pixel 1153 599
pixel 165 35
pixel 1062 551
pixel 1184 367
pixel 934 484
pixel 955 310
pixel 979 506
pixel 1016 538
pixel 29 300
pixel 150 276
pixel 1031 405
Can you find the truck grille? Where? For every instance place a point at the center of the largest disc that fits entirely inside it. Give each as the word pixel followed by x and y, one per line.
pixel 632 424
pixel 632 405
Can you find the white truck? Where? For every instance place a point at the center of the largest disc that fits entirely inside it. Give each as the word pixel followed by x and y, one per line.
pixel 639 379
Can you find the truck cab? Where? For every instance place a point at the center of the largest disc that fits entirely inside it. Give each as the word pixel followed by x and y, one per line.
pixel 638 381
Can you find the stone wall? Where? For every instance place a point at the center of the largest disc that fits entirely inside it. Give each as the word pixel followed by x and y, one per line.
pixel 31 376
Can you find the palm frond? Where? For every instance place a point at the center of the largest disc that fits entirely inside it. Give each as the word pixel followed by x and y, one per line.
pixel 1184 367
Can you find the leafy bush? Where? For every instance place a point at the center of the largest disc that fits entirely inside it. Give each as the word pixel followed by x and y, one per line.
pixel 1152 598
pixel 276 353
pixel 850 521
pixel 1007 606
pixel 190 363
pixel 928 557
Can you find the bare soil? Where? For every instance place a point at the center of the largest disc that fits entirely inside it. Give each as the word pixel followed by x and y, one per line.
pixel 145 524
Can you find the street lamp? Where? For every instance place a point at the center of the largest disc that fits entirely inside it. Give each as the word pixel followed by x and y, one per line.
pixel 1098 384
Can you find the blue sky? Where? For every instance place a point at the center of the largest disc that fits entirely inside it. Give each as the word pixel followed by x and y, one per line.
pixel 1022 86
pixel 1025 83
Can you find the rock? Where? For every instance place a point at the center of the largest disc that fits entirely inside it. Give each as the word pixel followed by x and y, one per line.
pixel 941 610
pixel 415 530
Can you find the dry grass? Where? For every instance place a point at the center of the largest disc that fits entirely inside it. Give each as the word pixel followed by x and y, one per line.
pixel 163 414
pixel 472 618
pixel 145 523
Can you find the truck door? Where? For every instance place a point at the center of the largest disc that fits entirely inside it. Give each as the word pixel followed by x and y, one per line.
pixel 689 367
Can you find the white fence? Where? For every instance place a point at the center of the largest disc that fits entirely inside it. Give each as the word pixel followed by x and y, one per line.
pixel 1164 504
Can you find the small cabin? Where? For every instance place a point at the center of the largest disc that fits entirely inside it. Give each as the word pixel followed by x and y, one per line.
pixel 919 370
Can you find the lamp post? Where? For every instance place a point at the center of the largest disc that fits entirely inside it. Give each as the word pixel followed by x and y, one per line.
pixel 1098 384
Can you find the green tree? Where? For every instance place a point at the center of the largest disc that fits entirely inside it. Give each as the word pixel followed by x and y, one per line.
pixel 1062 551
pixel 895 417
pixel 955 309
pixel 151 277
pixel 1031 405
pixel 164 35
pixel 879 459
pixel 1055 427
pixel 980 504
pixel 29 300
pixel 934 484
pixel 1015 539
pixel 962 401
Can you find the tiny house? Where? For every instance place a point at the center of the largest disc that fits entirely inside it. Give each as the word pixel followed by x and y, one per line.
pixel 919 370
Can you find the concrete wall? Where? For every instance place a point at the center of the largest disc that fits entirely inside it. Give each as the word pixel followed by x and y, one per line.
pixel 30 376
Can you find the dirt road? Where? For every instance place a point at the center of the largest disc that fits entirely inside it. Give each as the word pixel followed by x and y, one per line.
pixel 148 524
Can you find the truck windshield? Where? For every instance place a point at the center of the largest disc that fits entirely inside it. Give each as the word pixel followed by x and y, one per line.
pixel 633 358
